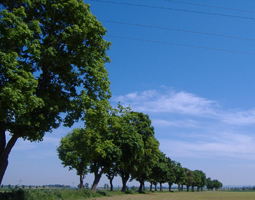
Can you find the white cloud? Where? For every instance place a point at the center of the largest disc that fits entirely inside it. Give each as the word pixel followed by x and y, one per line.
pixel 170 102
pixel 224 145
pixel 239 117
pixel 175 123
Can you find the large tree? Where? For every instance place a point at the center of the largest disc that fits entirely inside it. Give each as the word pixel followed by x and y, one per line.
pixel 52 56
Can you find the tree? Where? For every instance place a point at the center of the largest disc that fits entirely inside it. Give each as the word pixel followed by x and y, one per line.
pixel 190 178
pixel 209 184
pixel 217 184
pixel 74 150
pixel 52 61
pixel 203 181
pixel 148 159
pixel 180 175
pixel 126 137
pixel 197 180
pixel 111 173
pixel 172 165
pixel 160 172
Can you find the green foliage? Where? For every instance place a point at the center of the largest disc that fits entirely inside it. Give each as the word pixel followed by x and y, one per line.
pixel 52 62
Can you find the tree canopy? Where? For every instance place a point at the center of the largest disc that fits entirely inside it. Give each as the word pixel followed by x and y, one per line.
pixel 52 61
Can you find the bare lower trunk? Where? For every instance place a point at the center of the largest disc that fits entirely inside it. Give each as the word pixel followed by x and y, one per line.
pixel 151 187
pixel 5 151
pixel 155 186
pixel 187 188
pixel 169 184
pixel 97 179
pixel 81 182
pixel 111 184
pixel 198 189
pixel 124 177
pixel 160 186
pixel 141 185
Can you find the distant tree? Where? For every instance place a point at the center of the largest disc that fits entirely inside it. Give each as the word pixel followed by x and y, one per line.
pixel 203 181
pixel 160 172
pixel 127 140
pixel 172 173
pixel 190 178
pixel 197 179
pixel 217 184
pixel 86 186
pixel 180 175
pixel 111 173
pixel 74 150
pixel 145 162
pixel 209 184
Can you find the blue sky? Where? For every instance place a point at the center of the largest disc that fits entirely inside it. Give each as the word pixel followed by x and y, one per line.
pixel 201 101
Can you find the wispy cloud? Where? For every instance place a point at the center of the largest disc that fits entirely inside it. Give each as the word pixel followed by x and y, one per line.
pixel 175 123
pixel 239 117
pixel 227 145
pixel 169 102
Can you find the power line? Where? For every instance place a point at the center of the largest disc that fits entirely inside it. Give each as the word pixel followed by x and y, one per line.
pixel 176 9
pixel 197 4
pixel 174 29
pixel 178 44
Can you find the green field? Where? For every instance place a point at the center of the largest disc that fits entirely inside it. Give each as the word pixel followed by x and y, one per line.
pixel 58 194
pixel 208 195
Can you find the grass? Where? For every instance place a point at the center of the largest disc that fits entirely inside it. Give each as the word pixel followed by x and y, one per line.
pixel 28 194
pixel 207 195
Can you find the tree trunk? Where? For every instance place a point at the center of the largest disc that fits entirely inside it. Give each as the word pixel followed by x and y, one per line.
pixel 97 179
pixel 81 182
pixel 160 186
pixel 169 186
pixel 151 186
pixel 187 188
pixel 141 186
pixel 179 187
pixel 192 188
pixel 124 177
pixel 5 151
pixel 111 184
pixel 155 186
pixel 197 188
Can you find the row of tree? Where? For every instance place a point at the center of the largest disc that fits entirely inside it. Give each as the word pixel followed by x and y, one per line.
pixel 52 62
pixel 127 147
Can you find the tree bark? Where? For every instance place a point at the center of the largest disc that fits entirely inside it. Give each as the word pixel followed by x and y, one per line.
pixel 81 182
pixel 124 177
pixel 151 186
pixel 5 151
pixel 187 188
pixel 197 188
pixel 170 185
pixel 111 184
pixel 97 179
pixel 155 186
pixel 141 186
pixel 160 186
